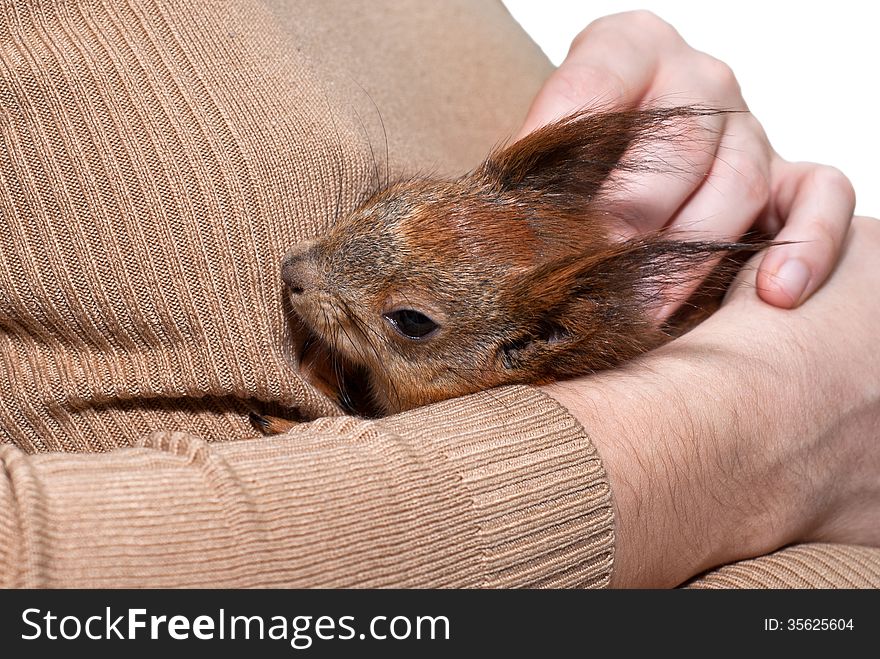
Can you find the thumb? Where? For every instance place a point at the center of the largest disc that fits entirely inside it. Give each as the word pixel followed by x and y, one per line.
pixel 572 87
pixel 601 69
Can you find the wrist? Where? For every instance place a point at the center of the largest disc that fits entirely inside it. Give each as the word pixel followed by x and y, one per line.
pixel 681 433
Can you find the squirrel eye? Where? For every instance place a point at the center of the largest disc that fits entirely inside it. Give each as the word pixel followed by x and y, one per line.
pixel 411 324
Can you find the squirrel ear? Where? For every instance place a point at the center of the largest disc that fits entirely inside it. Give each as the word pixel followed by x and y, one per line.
pixel 595 310
pixel 575 312
pixel 571 158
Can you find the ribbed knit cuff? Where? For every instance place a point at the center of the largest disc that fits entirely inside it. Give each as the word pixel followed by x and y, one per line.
pixel 539 493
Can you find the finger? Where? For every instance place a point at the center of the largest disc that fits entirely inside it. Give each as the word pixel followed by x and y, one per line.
pixel 733 196
pixel 579 83
pixel 816 203
pixel 681 157
pixel 735 192
pixel 664 171
pixel 611 63
pixel 619 61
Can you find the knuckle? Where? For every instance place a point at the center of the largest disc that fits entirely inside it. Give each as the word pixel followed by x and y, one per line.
pixel 645 23
pixel 582 36
pixel 751 123
pixel 649 21
pixel 718 73
pixel 832 179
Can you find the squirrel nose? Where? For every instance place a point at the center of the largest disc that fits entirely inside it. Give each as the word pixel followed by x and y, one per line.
pixel 298 270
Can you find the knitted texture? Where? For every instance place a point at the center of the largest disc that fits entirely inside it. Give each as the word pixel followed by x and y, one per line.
pixel 801 566
pixel 157 159
pixel 517 499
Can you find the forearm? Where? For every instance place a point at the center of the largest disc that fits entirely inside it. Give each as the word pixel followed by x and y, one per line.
pixel 678 433
pixel 499 490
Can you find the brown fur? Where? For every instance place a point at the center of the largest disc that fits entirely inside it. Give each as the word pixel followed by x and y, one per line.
pixel 515 262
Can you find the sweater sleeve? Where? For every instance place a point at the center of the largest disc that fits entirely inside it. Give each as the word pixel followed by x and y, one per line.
pixel 500 489
pixel 815 565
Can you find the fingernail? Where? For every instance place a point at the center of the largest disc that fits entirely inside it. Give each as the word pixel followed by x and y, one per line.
pixel 793 277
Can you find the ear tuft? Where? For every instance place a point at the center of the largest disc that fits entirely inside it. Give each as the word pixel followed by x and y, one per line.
pixel 591 311
pixel 569 160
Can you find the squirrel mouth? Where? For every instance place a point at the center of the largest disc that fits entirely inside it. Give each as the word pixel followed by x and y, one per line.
pixel 328 371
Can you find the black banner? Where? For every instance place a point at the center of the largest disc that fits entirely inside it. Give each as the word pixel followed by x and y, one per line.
pixel 315 623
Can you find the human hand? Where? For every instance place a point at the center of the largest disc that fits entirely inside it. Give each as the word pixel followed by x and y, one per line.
pixel 757 429
pixel 735 181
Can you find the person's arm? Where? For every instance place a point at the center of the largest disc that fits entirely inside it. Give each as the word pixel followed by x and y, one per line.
pixel 756 430
pixel 500 489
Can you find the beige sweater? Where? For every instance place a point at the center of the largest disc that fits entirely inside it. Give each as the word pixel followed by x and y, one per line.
pixel 156 161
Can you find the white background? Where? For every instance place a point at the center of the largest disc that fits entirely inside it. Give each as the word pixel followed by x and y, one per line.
pixel 810 71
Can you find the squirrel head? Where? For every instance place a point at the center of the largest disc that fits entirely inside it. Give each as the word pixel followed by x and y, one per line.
pixel 433 289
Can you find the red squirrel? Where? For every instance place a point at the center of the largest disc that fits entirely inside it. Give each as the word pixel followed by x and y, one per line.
pixel 433 289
